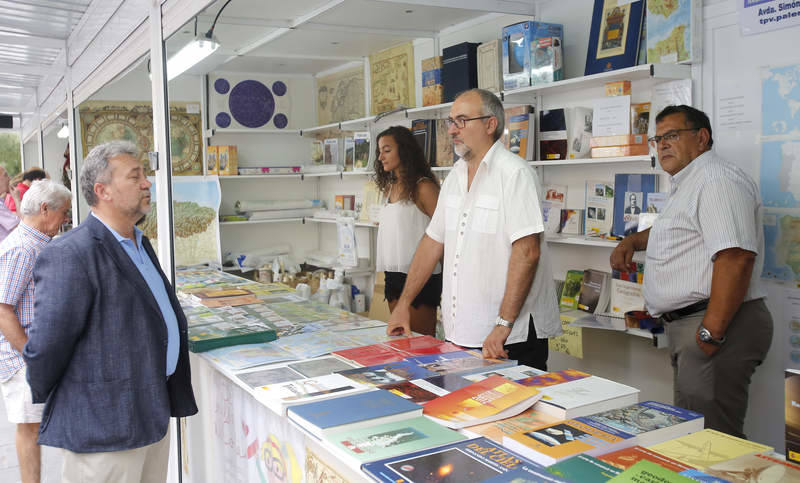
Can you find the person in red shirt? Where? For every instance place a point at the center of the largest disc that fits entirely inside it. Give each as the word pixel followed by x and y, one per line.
pixel 18 192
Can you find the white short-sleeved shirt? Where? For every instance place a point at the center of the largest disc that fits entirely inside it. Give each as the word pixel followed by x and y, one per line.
pixel 477 228
pixel 713 205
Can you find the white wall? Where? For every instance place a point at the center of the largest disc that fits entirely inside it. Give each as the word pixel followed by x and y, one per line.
pixel 31 153
pixel 54 153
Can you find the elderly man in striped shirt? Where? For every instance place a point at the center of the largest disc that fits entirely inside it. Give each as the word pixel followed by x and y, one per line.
pixel 44 209
pixel 702 268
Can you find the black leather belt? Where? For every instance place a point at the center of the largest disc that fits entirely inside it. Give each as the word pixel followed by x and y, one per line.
pixel 684 311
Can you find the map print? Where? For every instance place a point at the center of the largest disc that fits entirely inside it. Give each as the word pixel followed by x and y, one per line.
pixel 669 31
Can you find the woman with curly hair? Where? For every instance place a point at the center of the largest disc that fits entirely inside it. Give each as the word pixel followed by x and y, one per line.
pixel 410 192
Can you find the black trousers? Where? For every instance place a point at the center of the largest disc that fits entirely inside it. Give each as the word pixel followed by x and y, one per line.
pixel 532 352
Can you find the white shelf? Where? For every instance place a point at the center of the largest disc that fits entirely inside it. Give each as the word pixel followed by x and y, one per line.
pixel 254 222
pixel 296 175
pixel 441 168
pixel 213 132
pixel 332 220
pixel 438 110
pixel 571 162
pixel 639 72
pixel 581 240
pixel 361 124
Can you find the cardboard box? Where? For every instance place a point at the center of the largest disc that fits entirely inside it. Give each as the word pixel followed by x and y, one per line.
pixel 618 88
pixel 432 87
pixel 620 140
pixel 212 167
pixel 620 151
pixel 228 158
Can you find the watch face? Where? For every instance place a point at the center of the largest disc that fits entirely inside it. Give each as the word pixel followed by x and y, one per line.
pixel 705 336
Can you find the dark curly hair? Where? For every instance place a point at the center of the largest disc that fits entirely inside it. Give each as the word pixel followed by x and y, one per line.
pixel 412 158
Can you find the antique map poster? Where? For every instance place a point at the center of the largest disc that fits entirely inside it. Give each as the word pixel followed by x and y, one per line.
pixel 340 96
pixel 613 29
pixel 104 121
pixel 392 78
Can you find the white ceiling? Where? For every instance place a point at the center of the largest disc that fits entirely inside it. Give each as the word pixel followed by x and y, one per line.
pixel 257 36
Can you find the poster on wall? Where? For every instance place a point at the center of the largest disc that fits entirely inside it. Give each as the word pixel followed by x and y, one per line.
pixel 250 102
pixel 195 205
pixel 104 121
pixel 340 96
pixel 759 16
pixel 392 78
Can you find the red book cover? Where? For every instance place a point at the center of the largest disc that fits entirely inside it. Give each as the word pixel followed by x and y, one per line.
pixel 423 345
pixel 371 355
pixel 625 458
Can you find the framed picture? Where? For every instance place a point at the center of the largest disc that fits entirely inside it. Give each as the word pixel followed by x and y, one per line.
pixel 340 96
pixel 250 102
pixel 392 78
pixel 615 35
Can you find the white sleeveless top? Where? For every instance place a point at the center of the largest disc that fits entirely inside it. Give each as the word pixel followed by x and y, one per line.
pixel 400 228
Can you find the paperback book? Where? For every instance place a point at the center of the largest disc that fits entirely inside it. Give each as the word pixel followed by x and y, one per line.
pixel 555 200
pixel 278 397
pixel 649 472
pixel 223 334
pixel 320 367
pixel 585 469
pixel 707 448
pixel 585 396
pixel 595 291
pixel 650 422
pixel 631 193
pixel 462 363
pixel 272 375
pixel 514 373
pixel 744 468
pixel 524 421
pixel 388 373
pixel 489 400
pixel 571 290
pixel 625 458
pixel 422 391
pixel 599 207
pixel 520 125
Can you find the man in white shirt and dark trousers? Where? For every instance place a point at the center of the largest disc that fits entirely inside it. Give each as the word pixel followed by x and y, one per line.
pixel 498 291
pixel 704 258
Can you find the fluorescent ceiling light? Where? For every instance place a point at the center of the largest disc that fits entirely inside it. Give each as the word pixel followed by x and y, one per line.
pixel 192 53
pixel 63 133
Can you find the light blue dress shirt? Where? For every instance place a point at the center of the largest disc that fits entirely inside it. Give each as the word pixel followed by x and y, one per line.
pixel 150 274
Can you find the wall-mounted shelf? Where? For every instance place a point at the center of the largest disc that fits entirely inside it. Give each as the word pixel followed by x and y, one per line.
pixel 256 222
pixel 333 221
pixel 212 132
pixel 340 174
pixel 572 162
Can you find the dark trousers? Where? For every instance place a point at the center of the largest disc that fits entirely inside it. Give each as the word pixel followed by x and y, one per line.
pixel 533 352
pixel 718 386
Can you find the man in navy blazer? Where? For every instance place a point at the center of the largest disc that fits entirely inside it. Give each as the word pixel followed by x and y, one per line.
pixel 107 351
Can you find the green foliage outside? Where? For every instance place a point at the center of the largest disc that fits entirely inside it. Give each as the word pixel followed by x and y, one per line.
pixel 9 152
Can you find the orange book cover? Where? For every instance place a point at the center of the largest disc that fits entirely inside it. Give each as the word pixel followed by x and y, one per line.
pixel 625 458
pixel 563 439
pixel 553 378
pixel 526 420
pixel 480 400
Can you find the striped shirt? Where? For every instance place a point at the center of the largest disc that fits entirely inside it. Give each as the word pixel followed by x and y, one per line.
pixel 18 253
pixel 713 205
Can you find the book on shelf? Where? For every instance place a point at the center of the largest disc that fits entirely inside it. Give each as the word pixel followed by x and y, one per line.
pixel 317 150
pixel 445 155
pixel 330 154
pixel 461 363
pixel 490 70
pixel 655 205
pixel 582 397
pixel 755 467
pixel 528 419
pixel 203 338
pixel 571 290
pixel 349 153
pixel 554 442
pixel 432 88
pixel 675 32
pixel 387 440
pixel 707 447
pixel 422 391
pixel 646 471
pixel 514 373
pixel 552 134
pixel 521 128
pixel 352 412
pixel 640 118
pixel 361 151
pixel 650 422
pixel 595 291
pixel 584 469
pixel 424 131
pixel 547 63
pixel 579 132
pixel 627 457
pixel 278 397
pixel 572 222
pixel 555 200
pixel 791 384
pixel 481 402
pixel 625 296
pixel 630 196
pixel 471 460
pixel 387 373
pixel 459 69
pixel 599 207
pixel 614 36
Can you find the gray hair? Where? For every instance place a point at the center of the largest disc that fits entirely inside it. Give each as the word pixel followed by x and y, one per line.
pixel 490 106
pixel 95 167
pixel 44 191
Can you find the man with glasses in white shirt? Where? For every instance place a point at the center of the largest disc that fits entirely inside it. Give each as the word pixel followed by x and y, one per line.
pixel 498 292
pixel 702 268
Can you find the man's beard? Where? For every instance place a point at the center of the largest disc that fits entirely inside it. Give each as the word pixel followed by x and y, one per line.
pixel 462 150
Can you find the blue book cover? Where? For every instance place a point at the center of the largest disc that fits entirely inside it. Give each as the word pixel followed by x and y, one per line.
pixel 364 406
pixel 698 475
pixel 472 460
pixel 526 474
pixel 630 200
pixel 642 417
pixel 614 36
pixel 461 362
pixel 388 373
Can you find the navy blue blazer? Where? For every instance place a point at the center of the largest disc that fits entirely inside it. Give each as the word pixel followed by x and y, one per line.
pixel 97 349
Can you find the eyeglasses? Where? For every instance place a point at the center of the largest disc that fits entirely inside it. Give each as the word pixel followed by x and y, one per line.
pixel 670 136
pixel 461 122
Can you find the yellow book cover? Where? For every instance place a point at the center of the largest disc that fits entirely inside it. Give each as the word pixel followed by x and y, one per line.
pixel 707 447
pixel 560 440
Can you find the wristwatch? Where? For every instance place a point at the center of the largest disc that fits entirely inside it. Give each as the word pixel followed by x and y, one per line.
pixel 705 336
pixel 505 323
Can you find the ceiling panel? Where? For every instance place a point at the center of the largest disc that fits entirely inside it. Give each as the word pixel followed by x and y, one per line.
pixel 337 44
pixel 395 16
pixel 268 65
pixel 262 9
